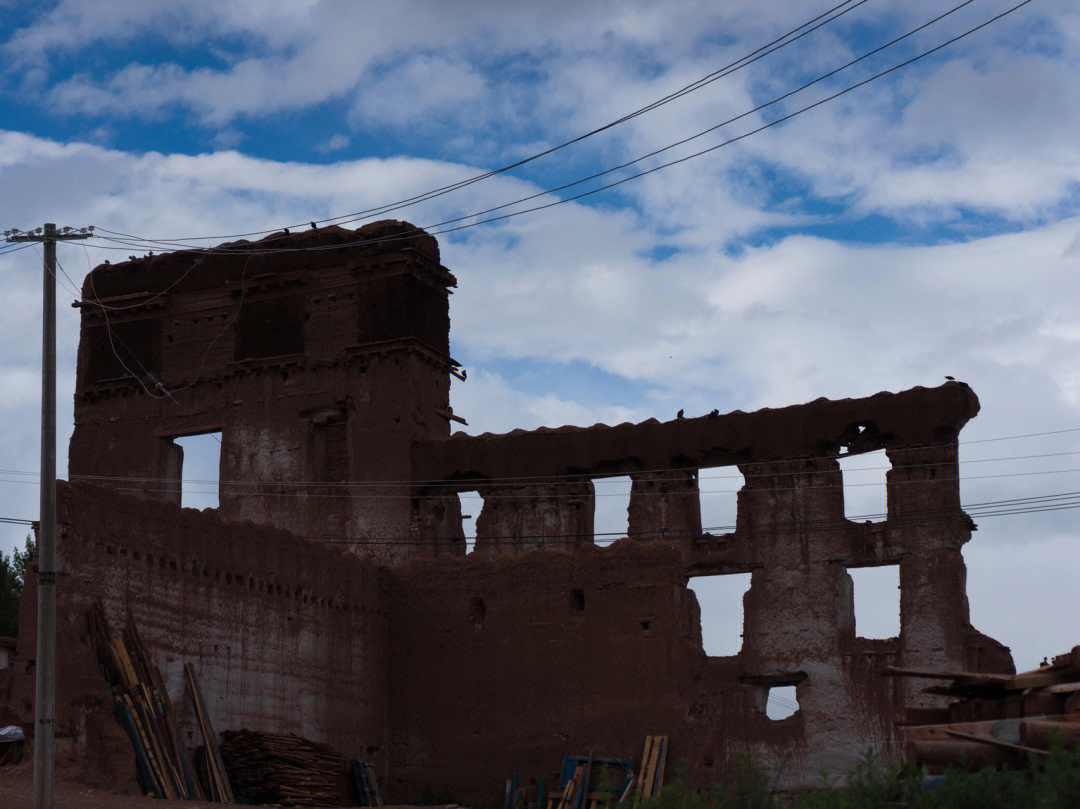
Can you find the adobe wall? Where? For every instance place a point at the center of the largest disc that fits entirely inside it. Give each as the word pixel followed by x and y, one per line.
pixel 585 648
pixel 319 365
pixel 286 635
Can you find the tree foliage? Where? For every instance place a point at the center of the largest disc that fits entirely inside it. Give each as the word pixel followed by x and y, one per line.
pixel 12 575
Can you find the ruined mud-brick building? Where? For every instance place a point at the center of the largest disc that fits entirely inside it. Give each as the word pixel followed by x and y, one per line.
pixel 330 593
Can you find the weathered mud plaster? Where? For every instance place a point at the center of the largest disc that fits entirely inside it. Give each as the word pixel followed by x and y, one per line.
pixel 285 634
pixel 318 368
pixel 346 606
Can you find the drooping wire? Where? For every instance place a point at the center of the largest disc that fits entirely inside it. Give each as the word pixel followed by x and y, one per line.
pixel 755 55
pixel 441 227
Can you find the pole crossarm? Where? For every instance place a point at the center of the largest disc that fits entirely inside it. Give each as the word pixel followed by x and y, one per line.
pixel 44 234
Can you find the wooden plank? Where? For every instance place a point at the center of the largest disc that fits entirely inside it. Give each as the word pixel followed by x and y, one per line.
pixel 951 753
pixel 571 786
pixel 510 793
pixel 643 772
pixel 650 777
pixel 142 764
pixel 583 793
pixel 123 663
pixel 658 783
pixel 156 767
pixel 975 677
pixel 1043 733
pixel 1061 688
pixel 215 765
pixel 990 740
pixel 373 784
pixel 1039 679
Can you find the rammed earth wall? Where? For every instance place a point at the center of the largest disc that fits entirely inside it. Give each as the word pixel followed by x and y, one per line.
pixel 286 635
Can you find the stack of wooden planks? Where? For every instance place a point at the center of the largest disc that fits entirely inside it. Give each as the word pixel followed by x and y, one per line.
pixel 996 719
pixel 142 708
pixel 289 770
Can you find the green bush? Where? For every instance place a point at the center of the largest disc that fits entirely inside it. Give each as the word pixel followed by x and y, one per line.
pixel 1051 782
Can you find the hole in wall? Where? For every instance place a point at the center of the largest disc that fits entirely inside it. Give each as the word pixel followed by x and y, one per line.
pixel 781 702
pixel 864 485
pixel 720 598
pixel 877 601
pixel 471 503
pixel 199 466
pixel 577 601
pixel 719 493
pixel 611 517
pixel 477 611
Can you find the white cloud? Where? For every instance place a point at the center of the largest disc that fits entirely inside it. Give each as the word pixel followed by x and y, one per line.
pixel 335 143
pixel 416 89
pixel 716 323
pixel 491 405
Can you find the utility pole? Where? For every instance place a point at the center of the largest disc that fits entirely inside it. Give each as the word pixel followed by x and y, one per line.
pixel 45 685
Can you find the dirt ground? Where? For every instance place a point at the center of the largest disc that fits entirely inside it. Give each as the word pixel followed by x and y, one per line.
pixel 17 792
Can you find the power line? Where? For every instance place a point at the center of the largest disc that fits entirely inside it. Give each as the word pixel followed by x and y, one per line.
pixel 1000 508
pixel 221 491
pixel 433 229
pixel 990 508
pixel 753 56
pixel 540 480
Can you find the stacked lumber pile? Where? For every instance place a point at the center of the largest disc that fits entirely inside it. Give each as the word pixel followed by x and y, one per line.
pixel 289 770
pixel 996 719
pixel 141 706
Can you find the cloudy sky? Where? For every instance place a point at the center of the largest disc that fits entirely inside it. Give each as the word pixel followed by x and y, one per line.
pixel 927 223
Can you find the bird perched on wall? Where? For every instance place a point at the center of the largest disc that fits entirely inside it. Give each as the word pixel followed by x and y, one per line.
pixel 107 261
pixel 679 415
pixel 131 258
pixel 285 231
pixel 714 413
pixel 314 226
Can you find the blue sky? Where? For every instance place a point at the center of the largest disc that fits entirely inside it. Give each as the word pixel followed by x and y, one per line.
pixel 924 225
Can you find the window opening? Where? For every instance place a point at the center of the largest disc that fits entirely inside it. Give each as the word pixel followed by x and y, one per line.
pixel 719 491
pixel 270 327
pixel 781 702
pixel 471 503
pixel 330 450
pixel 577 601
pixel 199 462
pixel 611 518
pixel 721 600
pixel 120 348
pixel 877 601
pixel 864 485
pixel 477 611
